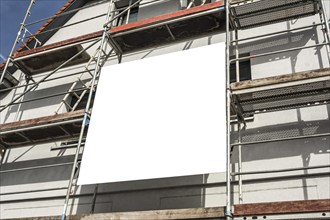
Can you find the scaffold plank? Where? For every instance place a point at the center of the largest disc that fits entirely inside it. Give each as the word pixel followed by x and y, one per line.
pixel 210 23
pixel 193 213
pixel 268 208
pixel 171 214
pixel 250 14
pixel 285 78
pixel 283 92
pixel 58 44
pixel 166 17
pixel 41 120
pixel 40 130
pixel 282 207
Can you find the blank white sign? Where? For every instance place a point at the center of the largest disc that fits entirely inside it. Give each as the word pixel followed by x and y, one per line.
pixel 158 117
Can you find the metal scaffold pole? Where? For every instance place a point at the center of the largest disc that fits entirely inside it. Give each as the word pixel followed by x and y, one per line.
pixel 228 104
pixel 326 19
pixel 87 108
pixel 240 178
pixel 239 150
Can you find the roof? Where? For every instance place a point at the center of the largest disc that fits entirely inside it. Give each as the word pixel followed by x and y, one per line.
pixel 45 25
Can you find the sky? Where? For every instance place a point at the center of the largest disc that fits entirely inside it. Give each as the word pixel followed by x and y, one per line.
pixel 12 13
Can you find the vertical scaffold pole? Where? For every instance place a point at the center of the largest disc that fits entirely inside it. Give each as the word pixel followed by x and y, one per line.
pixel 237 56
pixel 239 147
pixel 240 177
pixel 21 28
pixel 323 15
pixel 326 20
pixel 87 108
pixel 228 147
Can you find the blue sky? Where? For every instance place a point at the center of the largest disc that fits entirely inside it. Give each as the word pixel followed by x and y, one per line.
pixel 12 13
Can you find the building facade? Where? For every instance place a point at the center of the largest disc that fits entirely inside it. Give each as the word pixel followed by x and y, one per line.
pixel 278 69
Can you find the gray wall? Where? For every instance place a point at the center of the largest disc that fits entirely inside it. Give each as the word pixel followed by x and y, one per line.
pixel 41 192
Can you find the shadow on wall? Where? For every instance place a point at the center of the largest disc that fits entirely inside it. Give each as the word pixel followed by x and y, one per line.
pixel 287 148
pixel 284 42
pixel 41 103
pixel 43 175
pixel 154 194
pixel 287 154
pixel 165 193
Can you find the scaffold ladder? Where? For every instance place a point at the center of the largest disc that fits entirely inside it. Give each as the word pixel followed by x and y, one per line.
pixel 80 87
pixel 100 58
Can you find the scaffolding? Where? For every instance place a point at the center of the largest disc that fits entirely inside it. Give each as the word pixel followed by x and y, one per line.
pixel 244 98
pixel 283 92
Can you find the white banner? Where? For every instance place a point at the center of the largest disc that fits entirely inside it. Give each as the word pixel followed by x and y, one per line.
pixel 158 117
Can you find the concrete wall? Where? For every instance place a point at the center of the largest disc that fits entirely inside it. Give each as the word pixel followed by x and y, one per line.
pixel 40 192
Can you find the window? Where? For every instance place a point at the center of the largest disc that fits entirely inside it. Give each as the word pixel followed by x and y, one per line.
pixel 83 102
pixel 128 18
pixel 130 15
pixel 201 2
pixel 244 69
pixel 192 3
